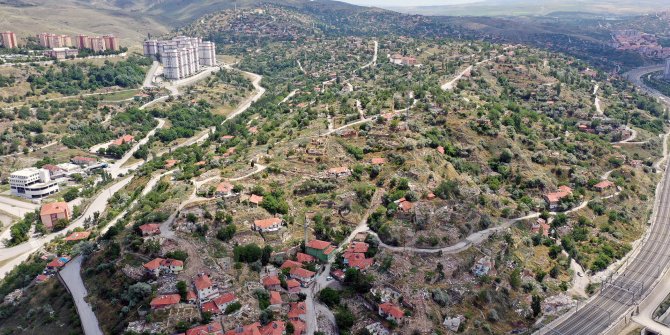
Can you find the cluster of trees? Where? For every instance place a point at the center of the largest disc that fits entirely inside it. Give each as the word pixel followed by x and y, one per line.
pixel 251 253
pixel 6 81
pixel 19 231
pixel 186 120
pixel 73 78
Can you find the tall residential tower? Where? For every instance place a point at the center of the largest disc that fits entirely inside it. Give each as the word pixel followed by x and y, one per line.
pixel 181 56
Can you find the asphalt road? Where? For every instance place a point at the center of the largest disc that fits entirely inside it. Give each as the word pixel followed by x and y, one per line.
pixel 72 278
pixel 621 294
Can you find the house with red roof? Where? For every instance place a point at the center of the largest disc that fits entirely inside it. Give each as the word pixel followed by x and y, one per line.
pixel 290 264
pixel 170 163
pixel 292 286
pixel 214 328
pixel 165 301
pixel 275 298
pixel 255 200
pixel 204 287
pixel 274 328
pixel 123 140
pixel 391 312
pixel 224 300
pixel 165 266
pixel 52 212
pixel 150 229
pixel 338 274
pixel 303 275
pixel 553 199
pixel 299 327
pixel 57 263
pixel 77 236
pixel 210 307
pixel 252 329
pixel 305 258
pixel 224 189
pixel 267 225
pixel 272 283
pixel 322 250
pixel 191 298
pixel 603 185
pixel 297 311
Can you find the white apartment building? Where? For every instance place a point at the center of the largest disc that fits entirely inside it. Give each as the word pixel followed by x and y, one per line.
pixel 32 183
pixel 181 56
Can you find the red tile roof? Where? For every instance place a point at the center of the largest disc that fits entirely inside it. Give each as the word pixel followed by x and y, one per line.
pixel 213 328
pixel 298 327
pixel 302 273
pixel 318 244
pixel 225 298
pixel 172 262
pixel 305 258
pixel 296 310
pixel 603 184
pixel 153 264
pixel 275 298
pixel 150 228
pixel 267 223
pixel 255 199
pixel 392 310
pixel 271 281
pixel 251 329
pixel 78 236
pixel 378 161
pixel 202 282
pixel 210 307
pixel 563 191
pixel 225 187
pixel 54 208
pixel 358 247
pixel 123 139
pixel 274 328
pixel 289 264
pixel 292 283
pixel 165 300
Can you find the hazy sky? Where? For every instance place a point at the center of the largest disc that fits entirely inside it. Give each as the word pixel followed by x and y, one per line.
pixel 394 3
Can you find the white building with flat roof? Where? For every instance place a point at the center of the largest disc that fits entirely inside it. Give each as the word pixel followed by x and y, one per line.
pixel 181 56
pixel 32 183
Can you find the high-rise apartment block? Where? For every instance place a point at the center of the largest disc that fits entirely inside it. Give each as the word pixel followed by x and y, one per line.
pixel 98 43
pixel 181 56
pixel 8 39
pixel 48 40
pixel 111 42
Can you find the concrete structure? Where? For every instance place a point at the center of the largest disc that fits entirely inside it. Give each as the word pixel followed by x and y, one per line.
pixel 181 56
pixel 61 53
pixel 666 72
pixel 52 212
pixel 8 39
pixel 49 40
pixel 82 42
pixel 111 42
pixel 68 169
pixel 32 183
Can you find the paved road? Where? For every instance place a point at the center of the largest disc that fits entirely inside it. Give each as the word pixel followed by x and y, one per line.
pixel 621 294
pixel 373 62
pixel 71 275
pixel 149 78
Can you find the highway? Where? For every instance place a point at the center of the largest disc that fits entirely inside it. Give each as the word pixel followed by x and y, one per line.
pixel 621 294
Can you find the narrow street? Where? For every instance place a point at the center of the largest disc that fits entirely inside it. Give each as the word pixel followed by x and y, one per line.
pixel 71 276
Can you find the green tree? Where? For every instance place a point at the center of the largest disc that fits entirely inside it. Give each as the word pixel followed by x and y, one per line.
pixel 330 297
